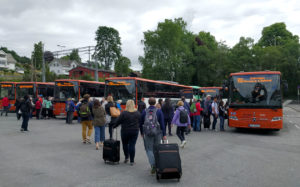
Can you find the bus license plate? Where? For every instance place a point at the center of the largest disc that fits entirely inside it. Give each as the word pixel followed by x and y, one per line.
pixel 254 125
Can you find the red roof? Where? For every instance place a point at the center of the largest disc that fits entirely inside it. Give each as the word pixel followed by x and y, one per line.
pixel 256 73
pixel 95 82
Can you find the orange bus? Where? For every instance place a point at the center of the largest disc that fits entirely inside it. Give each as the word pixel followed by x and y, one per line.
pixel 34 89
pixel 255 100
pixel 75 89
pixel 8 89
pixel 212 91
pixel 125 88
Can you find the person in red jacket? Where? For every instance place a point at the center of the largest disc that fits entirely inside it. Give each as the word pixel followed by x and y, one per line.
pixel 197 116
pixel 38 107
pixel 5 104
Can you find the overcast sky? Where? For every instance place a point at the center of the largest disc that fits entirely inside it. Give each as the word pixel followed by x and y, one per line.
pixel 72 23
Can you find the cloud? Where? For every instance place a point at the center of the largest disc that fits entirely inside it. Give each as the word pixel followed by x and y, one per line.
pixel 73 23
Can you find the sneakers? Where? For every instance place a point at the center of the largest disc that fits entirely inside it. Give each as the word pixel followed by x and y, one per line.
pixel 125 161
pixel 153 170
pixel 88 140
pixel 183 144
pixel 132 163
pixel 22 130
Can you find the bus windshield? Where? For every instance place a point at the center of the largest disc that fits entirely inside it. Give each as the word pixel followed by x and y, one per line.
pixel 121 89
pixel 23 90
pixel 255 90
pixel 7 90
pixel 210 91
pixel 65 90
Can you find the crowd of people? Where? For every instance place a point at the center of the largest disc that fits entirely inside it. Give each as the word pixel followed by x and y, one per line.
pixel 154 122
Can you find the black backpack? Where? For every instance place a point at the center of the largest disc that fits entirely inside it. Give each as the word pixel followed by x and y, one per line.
pixel 24 107
pixel 183 116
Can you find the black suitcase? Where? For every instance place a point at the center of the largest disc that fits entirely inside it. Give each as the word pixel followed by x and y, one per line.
pixel 168 162
pixel 111 150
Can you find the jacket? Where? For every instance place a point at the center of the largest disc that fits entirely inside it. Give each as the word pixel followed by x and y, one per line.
pixel 98 116
pixel 27 107
pixel 187 107
pixel 5 102
pixel 160 118
pixel 38 105
pixel 198 108
pixel 70 106
pixel 129 120
pixel 176 118
pixel 107 107
pixel 141 106
pixel 168 112
pixel 193 109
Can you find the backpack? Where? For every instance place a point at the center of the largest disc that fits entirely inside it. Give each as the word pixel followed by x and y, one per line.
pixel 183 116
pixel 23 107
pixel 151 126
pixel 84 110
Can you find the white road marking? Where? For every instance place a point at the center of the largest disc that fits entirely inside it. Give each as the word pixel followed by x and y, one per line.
pixel 297 126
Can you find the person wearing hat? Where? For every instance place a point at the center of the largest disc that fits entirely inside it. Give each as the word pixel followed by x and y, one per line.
pixel 85 113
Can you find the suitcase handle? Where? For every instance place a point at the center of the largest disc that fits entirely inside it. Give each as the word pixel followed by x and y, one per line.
pixel 163 141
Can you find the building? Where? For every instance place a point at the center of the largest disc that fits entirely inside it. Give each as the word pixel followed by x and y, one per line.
pixel 62 67
pixel 79 71
pixel 7 61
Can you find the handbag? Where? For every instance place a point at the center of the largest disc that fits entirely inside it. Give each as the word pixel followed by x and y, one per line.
pixel 114 112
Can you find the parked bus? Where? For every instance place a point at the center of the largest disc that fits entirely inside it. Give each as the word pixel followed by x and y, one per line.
pixel 8 89
pixel 212 91
pixel 75 89
pixel 34 89
pixel 255 100
pixel 125 88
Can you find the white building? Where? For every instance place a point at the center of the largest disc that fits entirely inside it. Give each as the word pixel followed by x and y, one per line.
pixel 7 61
pixel 62 67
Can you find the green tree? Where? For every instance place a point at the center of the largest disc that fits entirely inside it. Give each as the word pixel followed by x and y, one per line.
pixel 37 55
pixel 108 47
pixel 122 66
pixel 74 55
pixel 22 60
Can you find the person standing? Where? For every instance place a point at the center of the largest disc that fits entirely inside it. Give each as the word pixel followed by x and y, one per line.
pixel 168 112
pixel 192 114
pixel 25 108
pixel 152 117
pixel 5 105
pixel 85 113
pixel 222 112
pixel 197 116
pixel 38 107
pixel 44 109
pixel 110 103
pixel 49 107
pixel 98 123
pixel 129 119
pixel 206 112
pixel 70 109
pixel 17 105
pixel 181 119
pixel 141 105
pixel 215 112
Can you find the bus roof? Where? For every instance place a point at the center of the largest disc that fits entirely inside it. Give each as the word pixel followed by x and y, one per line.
pixel 147 80
pixel 48 83
pixel 196 87
pixel 95 82
pixel 213 87
pixel 256 73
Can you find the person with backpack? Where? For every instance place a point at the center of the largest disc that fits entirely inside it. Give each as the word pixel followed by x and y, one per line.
pixel 70 109
pixel 85 113
pixel 141 105
pixel 215 112
pixel 25 108
pixel 181 119
pixel 109 107
pixel 152 129
pixel 5 105
pixel 38 107
pixel 168 112
pixel 222 113
pixel 187 108
pixel 98 123
pixel 129 119
pixel 207 112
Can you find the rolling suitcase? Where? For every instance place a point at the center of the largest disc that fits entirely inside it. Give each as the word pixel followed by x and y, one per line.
pixel 111 150
pixel 168 162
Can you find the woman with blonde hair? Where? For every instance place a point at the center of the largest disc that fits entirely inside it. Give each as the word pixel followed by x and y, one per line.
pixel 129 120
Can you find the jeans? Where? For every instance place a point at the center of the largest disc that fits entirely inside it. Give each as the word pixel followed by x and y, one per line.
pixel 196 124
pixel 221 123
pixel 86 124
pixel 215 121
pixel 37 113
pixel 5 109
pixel 180 133
pixel 69 117
pixel 25 121
pixel 99 133
pixel 128 141
pixel 168 123
pixel 44 112
pixel 150 143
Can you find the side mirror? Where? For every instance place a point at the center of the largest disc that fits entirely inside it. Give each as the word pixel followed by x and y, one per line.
pixel 285 86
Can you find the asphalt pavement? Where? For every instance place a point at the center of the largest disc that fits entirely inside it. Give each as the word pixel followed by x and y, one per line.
pixel 52 154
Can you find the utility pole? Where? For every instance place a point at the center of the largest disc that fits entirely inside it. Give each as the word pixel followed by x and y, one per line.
pixel 89 53
pixel 96 71
pixel 43 76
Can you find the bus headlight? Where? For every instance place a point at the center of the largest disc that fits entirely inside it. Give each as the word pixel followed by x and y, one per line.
pixel 233 117
pixel 277 118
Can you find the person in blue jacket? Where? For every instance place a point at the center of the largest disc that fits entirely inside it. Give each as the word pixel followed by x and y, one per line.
pixel 70 109
pixel 151 141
